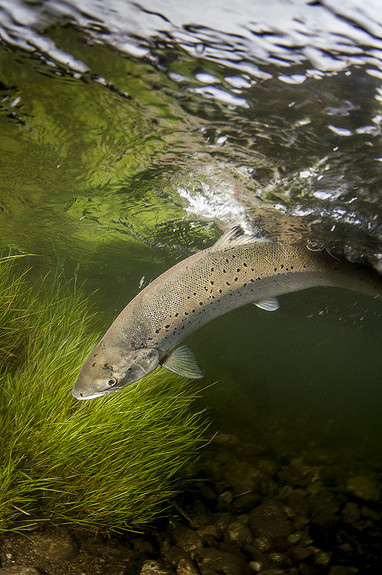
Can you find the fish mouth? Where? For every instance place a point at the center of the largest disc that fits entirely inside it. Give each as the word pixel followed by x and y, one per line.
pixel 81 396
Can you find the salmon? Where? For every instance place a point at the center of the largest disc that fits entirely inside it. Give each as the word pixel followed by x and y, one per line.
pixel 237 270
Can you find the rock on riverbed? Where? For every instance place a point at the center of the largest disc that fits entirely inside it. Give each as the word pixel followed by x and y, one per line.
pixel 253 509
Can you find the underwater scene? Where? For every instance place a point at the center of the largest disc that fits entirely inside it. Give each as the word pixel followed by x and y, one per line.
pixel 135 135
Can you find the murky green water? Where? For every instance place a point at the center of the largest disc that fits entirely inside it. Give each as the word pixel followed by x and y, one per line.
pixel 128 139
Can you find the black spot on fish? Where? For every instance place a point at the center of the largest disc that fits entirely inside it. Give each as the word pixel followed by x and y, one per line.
pixel 291 267
pixel 244 264
pixel 200 303
pixel 157 330
pixel 282 265
pixel 212 269
pixel 167 326
pixel 252 280
pixel 186 313
pixel 95 355
pixel 275 270
pixel 238 269
pixel 228 284
pixel 93 364
pixel 236 279
pixel 212 283
pixel 224 271
pixel 220 291
pixel 176 315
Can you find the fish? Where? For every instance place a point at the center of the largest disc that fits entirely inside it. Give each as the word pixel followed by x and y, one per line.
pixel 240 268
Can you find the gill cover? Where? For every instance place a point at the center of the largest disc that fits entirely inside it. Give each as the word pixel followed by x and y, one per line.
pixel 138 363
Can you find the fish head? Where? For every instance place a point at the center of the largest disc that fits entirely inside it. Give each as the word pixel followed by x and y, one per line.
pixel 110 369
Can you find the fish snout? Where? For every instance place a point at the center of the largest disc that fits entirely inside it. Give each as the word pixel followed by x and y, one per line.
pixel 118 372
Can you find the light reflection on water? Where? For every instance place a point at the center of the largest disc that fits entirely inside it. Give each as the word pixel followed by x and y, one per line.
pixel 131 133
pixel 328 35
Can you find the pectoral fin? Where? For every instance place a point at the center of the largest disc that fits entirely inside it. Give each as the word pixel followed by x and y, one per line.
pixel 271 304
pixel 182 361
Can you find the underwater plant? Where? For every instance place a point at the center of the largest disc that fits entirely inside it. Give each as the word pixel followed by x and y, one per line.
pixel 109 465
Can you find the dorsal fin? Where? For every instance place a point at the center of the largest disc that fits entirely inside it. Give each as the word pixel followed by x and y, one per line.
pixel 235 237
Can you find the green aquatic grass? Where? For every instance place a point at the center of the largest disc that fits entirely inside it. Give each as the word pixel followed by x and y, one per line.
pixel 108 464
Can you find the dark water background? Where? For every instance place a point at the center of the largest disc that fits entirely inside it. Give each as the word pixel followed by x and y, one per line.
pixel 131 134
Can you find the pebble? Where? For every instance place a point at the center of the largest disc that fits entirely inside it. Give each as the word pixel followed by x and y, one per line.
pixel 273 572
pixel 342 570
pixel 370 513
pixel 186 538
pixel 276 559
pixel 364 487
pixel 151 567
pixel 246 502
pixel 217 562
pixel 207 492
pixel 226 440
pixel 187 567
pixel 270 521
pixel 19 570
pixel 143 547
pixel 224 500
pixel 56 548
pixel 258 559
pixel 322 558
pixel 238 533
pixel 222 522
pixel 297 554
pixel 209 535
pixel 172 554
pixel 351 512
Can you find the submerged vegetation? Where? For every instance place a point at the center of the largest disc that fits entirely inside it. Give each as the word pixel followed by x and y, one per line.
pixel 109 464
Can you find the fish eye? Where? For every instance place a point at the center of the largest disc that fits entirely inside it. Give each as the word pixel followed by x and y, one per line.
pixel 112 381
